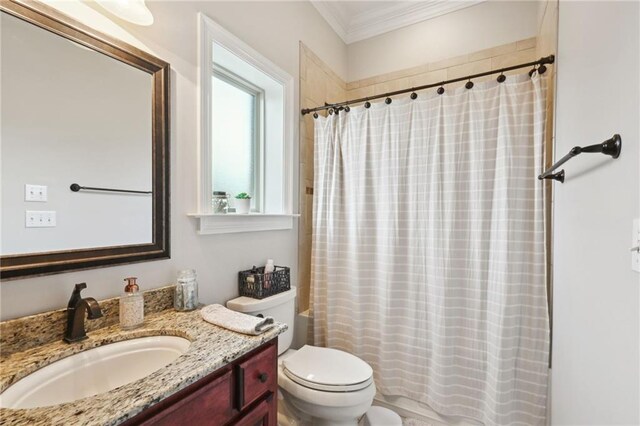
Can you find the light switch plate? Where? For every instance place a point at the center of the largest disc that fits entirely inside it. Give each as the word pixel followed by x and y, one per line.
pixel 635 242
pixel 40 219
pixel 35 192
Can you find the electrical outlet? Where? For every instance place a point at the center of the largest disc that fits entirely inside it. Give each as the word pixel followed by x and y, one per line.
pixel 35 192
pixel 40 219
pixel 635 246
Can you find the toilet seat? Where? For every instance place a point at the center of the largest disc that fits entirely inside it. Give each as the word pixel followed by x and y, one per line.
pixel 327 370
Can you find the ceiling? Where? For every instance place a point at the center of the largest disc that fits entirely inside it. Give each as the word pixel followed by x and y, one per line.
pixel 359 20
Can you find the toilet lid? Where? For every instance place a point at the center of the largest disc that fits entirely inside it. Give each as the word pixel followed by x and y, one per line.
pixel 328 369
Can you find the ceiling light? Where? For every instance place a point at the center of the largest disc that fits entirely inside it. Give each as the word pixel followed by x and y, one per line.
pixel 134 11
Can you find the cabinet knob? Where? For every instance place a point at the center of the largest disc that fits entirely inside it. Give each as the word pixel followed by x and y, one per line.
pixel 263 377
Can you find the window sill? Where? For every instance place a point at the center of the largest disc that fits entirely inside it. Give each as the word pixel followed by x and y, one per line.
pixel 232 222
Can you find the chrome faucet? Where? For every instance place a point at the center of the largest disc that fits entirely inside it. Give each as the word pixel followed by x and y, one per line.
pixel 75 314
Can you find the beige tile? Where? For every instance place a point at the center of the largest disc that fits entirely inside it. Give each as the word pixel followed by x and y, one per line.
pixel 313 57
pixel 306 102
pixel 308 214
pixel 396 75
pixel 448 63
pixel 428 78
pixel 335 93
pixel 308 159
pixel 308 127
pixel 301 179
pixel 302 150
pixel 301 187
pixel 362 92
pixel 468 69
pixel 391 86
pixel 328 71
pixel 304 255
pixel 304 275
pixel 491 52
pixel 309 183
pixel 315 81
pixel 515 58
pixel 301 223
pixel 353 85
pixel 527 43
pixel 315 62
pixel 368 81
pixel 302 241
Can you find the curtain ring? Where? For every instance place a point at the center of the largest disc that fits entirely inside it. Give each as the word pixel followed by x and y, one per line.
pixel 532 71
pixel 501 78
pixel 315 115
pixel 414 95
pixel 347 109
pixel 542 69
pixel 469 84
pixel 387 101
pixel 440 90
pixel 330 111
pixel 367 104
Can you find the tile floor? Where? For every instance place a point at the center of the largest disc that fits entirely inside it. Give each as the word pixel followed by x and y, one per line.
pixel 407 421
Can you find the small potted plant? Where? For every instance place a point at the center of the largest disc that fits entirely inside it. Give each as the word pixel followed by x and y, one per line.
pixel 243 203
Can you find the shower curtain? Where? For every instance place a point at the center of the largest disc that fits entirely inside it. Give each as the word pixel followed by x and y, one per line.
pixel 428 253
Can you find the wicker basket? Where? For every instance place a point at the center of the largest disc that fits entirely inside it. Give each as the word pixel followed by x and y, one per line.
pixel 258 285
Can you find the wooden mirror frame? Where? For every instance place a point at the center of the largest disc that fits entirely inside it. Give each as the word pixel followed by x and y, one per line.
pixel 44 263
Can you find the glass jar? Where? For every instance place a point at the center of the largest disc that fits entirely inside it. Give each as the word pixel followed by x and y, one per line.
pixel 220 202
pixel 186 293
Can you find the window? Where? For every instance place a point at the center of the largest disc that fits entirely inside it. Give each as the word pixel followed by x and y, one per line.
pixel 237 136
pixel 246 133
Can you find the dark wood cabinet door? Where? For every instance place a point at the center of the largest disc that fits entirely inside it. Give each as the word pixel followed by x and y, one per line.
pixel 260 415
pixel 209 405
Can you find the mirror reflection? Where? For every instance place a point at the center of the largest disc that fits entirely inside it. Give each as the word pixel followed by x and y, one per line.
pixel 72 115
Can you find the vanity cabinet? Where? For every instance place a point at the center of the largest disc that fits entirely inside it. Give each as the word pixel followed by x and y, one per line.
pixel 242 393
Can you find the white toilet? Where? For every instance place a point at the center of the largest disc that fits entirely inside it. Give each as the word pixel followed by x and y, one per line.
pixel 319 386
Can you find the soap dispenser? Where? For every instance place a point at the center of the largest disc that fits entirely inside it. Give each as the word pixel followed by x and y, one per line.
pixel 131 305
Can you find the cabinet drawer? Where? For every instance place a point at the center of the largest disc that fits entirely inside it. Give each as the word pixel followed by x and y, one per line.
pixel 257 376
pixel 209 405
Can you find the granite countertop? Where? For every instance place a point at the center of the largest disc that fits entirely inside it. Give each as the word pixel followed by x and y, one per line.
pixel 211 348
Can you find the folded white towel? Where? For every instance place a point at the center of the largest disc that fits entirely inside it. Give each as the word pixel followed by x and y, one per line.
pixel 236 321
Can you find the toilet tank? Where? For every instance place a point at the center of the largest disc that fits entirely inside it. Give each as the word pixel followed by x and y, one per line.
pixel 282 307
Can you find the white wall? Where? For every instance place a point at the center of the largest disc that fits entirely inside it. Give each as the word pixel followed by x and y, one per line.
pixel 595 370
pixel 272 28
pixel 478 27
pixel 94 129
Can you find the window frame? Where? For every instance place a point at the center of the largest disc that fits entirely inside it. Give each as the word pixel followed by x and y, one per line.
pixel 273 218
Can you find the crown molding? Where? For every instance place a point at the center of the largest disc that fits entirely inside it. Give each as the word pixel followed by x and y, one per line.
pixel 331 13
pixel 379 21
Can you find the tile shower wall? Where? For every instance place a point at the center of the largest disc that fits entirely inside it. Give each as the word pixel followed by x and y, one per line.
pixel 484 60
pixel 318 84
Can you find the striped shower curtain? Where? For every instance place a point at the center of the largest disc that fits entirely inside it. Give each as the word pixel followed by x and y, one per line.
pixel 428 253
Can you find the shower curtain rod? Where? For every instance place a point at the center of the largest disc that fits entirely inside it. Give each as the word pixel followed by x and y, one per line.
pixel 540 63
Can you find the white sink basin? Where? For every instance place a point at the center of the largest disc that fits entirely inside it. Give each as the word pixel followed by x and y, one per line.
pixel 93 371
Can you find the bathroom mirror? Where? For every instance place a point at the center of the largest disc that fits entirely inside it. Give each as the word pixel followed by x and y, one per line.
pixel 84 155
